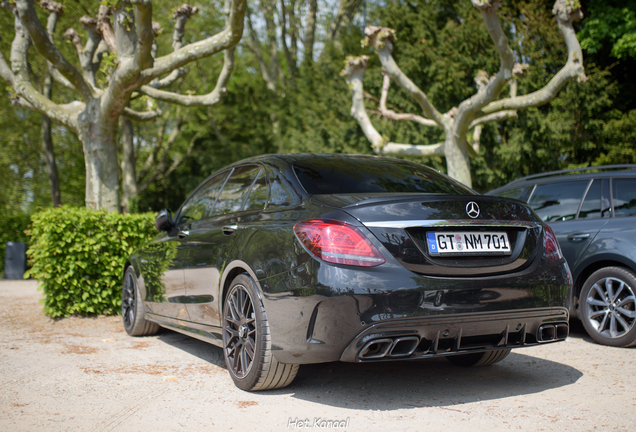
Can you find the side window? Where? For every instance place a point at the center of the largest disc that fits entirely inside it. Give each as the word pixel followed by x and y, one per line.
pixel 591 208
pixel 200 204
pixel 518 193
pixel 257 197
pixel 558 201
pixel 624 197
pixel 236 189
pixel 282 192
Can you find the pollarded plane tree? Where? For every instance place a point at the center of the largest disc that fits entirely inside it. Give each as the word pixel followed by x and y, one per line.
pixel 483 107
pixel 124 29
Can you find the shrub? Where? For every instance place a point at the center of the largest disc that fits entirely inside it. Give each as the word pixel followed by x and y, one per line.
pixel 13 231
pixel 78 255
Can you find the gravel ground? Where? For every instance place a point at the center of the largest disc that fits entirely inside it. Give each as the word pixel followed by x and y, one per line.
pixel 87 374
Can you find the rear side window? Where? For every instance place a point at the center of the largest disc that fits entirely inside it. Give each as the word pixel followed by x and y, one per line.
pixel 558 201
pixel 368 175
pixel 236 189
pixel 624 191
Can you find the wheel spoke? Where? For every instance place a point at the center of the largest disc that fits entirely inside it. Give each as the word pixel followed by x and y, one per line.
pixel 609 288
pixel 601 325
pixel 599 291
pixel 249 350
pixel 622 322
pixel 597 313
pixel 618 292
pixel 626 300
pixel 613 329
pixel 595 302
pixel 628 313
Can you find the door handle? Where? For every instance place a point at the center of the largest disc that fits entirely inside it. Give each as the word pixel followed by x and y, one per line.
pixel 229 229
pixel 183 233
pixel 578 237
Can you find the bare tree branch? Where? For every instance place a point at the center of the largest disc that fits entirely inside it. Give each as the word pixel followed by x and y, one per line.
pixel 573 68
pixel 145 35
pixel 392 115
pixel 181 15
pixel 225 39
pixel 45 47
pixel 255 46
pixel 381 39
pixel 141 116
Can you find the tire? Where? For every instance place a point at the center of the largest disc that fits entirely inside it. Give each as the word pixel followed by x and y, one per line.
pixel 132 308
pixel 485 358
pixel 247 343
pixel 607 307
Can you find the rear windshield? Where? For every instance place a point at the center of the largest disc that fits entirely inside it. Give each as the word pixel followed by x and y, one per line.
pixel 368 175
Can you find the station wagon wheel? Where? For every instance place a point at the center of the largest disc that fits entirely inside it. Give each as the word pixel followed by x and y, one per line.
pixel 608 307
pixel 247 341
pixel 132 308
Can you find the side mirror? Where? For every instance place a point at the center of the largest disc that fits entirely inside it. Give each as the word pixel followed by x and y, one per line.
pixel 163 221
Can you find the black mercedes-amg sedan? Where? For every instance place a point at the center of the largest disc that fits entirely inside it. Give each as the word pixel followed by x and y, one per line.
pixel 284 260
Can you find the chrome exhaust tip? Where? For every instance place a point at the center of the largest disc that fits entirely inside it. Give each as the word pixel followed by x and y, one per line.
pixel 376 348
pixel 404 346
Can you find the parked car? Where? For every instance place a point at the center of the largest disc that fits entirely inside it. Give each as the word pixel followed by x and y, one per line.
pixel 284 260
pixel 593 214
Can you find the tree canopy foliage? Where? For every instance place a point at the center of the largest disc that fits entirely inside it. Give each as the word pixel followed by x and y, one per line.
pixel 305 108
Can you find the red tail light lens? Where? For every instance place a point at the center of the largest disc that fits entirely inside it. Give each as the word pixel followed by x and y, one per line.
pixel 552 248
pixel 338 243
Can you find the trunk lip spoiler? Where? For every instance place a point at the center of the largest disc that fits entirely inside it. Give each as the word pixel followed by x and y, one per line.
pixel 450 223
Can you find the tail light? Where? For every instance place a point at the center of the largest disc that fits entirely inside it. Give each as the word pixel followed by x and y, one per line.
pixel 338 243
pixel 552 248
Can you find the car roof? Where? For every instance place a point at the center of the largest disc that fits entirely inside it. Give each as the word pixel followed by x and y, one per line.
pixel 604 171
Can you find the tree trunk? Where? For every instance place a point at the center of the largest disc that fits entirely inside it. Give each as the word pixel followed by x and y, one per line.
pixel 100 153
pixel 129 183
pixel 47 148
pixel 457 157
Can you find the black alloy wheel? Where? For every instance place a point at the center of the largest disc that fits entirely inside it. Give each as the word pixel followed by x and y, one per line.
pixel 608 307
pixel 247 341
pixel 132 308
pixel 239 331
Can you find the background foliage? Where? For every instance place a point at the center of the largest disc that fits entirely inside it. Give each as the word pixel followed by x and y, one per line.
pixel 78 256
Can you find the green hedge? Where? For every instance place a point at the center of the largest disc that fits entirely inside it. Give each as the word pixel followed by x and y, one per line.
pixel 13 229
pixel 78 255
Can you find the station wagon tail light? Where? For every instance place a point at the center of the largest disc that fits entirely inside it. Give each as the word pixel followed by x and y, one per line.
pixel 338 243
pixel 552 248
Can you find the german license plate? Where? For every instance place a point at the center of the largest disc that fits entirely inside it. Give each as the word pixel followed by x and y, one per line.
pixel 472 243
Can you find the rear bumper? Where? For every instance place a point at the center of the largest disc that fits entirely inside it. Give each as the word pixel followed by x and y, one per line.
pixel 457 334
pixel 321 313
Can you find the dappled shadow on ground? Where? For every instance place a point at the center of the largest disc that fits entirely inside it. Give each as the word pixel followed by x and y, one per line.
pixel 406 384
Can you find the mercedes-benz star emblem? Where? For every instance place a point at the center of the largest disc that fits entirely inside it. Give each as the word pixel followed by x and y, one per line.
pixel 472 209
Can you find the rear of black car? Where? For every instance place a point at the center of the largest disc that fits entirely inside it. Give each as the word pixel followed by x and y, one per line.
pixel 404 262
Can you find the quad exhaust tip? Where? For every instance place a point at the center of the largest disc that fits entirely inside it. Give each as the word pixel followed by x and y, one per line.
pixel 402 346
pixel 552 332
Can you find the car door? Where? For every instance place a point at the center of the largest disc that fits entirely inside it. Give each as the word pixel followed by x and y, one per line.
pixel 212 240
pixel 175 249
pixel 575 211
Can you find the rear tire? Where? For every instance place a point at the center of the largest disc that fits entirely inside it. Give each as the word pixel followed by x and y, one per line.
pixel 247 343
pixel 132 308
pixel 607 307
pixel 485 358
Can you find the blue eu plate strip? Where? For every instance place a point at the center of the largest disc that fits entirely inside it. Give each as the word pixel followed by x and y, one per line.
pixel 432 242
